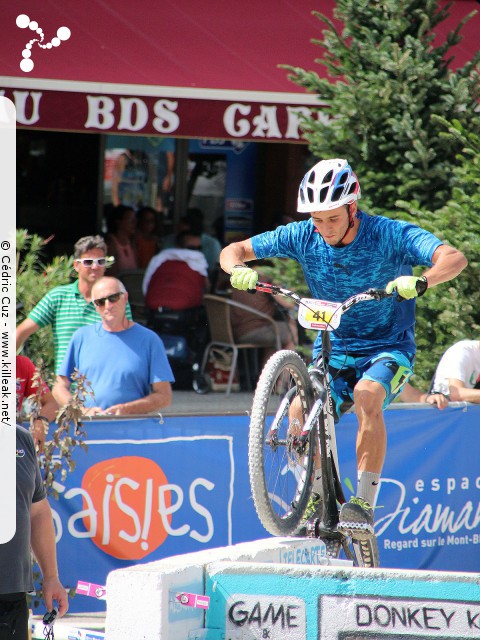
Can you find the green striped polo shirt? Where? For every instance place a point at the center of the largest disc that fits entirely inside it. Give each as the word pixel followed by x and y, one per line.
pixel 66 310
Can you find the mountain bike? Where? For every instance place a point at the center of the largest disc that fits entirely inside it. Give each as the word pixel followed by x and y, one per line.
pixel 292 436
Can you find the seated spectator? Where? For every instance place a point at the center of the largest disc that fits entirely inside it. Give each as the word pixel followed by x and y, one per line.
pixel 124 362
pixel 176 279
pixel 209 245
pixel 121 225
pixel 248 327
pixel 27 387
pixel 458 373
pixel 69 306
pixel 412 394
pixel 147 242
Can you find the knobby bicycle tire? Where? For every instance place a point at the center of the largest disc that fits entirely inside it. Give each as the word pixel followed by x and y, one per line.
pixel 280 477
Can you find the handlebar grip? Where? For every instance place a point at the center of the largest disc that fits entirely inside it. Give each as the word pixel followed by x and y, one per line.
pixel 263 286
pixel 421 286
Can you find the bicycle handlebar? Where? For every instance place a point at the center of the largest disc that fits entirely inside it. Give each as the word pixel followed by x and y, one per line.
pixel 375 294
pixel 321 314
pixel 369 294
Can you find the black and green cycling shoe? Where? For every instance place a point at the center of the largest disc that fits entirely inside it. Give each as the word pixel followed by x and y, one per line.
pixel 314 507
pixel 356 519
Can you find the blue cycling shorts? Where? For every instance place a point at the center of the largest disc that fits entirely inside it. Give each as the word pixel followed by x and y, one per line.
pixel 391 369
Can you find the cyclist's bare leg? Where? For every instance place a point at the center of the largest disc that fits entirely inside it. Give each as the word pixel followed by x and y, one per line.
pixel 296 424
pixel 356 516
pixel 295 416
pixel 372 436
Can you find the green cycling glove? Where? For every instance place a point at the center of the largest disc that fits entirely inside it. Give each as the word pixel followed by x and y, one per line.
pixel 408 287
pixel 243 278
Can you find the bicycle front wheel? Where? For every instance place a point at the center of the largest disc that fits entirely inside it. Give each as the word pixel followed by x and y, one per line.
pixel 280 466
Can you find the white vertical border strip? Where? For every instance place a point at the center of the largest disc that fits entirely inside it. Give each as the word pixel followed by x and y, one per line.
pixel 7 320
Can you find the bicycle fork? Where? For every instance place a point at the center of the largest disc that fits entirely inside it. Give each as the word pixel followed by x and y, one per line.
pixel 299 442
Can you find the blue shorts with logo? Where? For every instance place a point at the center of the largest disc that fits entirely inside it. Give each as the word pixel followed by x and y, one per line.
pixel 391 369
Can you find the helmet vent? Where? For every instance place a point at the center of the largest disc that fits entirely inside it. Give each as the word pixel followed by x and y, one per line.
pixel 328 177
pixel 323 194
pixel 337 194
pixel 353 186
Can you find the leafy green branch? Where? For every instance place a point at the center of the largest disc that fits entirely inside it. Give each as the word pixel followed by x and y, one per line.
pixel 57 460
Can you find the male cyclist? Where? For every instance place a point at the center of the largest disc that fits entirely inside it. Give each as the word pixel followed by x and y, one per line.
pixel 344 251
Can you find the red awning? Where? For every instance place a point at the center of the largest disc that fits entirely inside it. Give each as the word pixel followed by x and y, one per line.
pixel 176 67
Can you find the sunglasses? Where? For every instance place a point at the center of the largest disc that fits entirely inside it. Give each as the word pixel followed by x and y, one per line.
pixel 112 298
pixel 89 262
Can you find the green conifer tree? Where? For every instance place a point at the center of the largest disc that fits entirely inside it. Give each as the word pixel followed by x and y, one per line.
pixel 386 82
pixel 410 127
pixel 451 312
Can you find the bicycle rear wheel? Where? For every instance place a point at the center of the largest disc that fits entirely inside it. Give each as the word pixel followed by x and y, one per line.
pixel 280 469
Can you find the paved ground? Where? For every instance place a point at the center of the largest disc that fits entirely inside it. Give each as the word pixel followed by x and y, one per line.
pixel 213 403
pixel 218 403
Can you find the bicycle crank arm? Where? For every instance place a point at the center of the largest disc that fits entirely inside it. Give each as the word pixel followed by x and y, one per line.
pixel 318 529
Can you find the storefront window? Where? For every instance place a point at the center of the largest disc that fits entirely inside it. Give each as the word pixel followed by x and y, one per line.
pixel 139 172
pixel 223 184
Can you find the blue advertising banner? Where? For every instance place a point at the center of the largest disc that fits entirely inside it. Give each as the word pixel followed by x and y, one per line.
pixel 428 507
pixel 145 491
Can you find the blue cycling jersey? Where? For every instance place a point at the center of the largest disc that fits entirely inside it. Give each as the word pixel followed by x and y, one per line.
pixel 382 250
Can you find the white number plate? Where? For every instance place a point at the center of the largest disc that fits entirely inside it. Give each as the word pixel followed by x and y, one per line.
pixel 319 314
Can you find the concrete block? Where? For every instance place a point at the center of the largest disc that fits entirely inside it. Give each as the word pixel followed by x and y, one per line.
pixel 141 599
pixel 251 600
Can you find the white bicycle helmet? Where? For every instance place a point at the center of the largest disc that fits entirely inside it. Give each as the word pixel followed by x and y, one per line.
pixel 328 185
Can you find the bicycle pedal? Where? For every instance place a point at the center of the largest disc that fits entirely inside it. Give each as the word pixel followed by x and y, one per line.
pixel 356 531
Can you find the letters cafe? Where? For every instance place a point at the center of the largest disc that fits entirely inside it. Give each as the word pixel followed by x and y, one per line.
pixel 147 115
pixel 208 79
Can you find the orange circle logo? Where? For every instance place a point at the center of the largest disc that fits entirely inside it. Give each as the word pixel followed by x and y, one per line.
pixel 124 514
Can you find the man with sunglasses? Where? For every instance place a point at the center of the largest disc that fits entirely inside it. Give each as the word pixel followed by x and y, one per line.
pixel 124 362
pixel 69 307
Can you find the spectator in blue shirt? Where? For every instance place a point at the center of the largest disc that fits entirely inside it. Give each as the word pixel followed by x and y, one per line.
pixel 124 362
